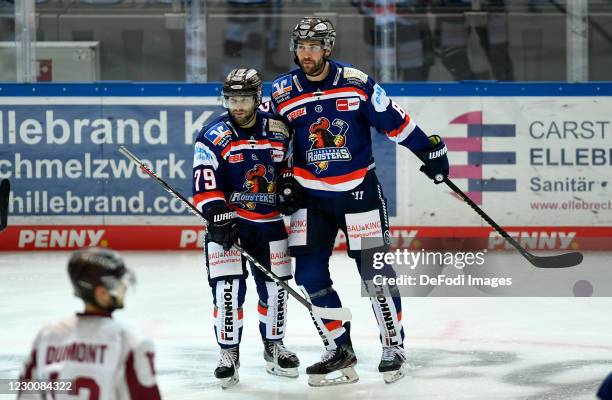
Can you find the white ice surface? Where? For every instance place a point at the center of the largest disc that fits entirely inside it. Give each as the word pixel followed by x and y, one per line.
pixel 459 348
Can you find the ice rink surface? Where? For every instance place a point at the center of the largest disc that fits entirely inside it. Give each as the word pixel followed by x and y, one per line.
pixel 459 348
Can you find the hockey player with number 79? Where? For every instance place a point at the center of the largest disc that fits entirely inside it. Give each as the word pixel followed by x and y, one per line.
pixel 333 185
pixel 237 159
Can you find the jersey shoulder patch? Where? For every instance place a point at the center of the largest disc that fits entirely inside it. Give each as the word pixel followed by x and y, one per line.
pixel 281 88
pixel 277 126
pixel 380 99
pixel 353 74
pixel 203 155
pixel 218 134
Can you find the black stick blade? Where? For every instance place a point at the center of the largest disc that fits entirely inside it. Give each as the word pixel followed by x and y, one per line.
pixel 559 261
pixel 5 190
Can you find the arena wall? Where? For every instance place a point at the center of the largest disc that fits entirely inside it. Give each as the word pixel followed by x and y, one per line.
pixel 536 157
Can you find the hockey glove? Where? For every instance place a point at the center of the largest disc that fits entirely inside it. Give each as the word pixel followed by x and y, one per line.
pixel 290 193
pixel 435 159
pixel 222 226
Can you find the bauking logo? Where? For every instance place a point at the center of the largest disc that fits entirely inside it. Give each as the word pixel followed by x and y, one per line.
pixel 60 238
pixel 401 237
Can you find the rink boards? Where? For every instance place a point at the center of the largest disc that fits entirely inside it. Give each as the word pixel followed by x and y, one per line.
pixel 536 157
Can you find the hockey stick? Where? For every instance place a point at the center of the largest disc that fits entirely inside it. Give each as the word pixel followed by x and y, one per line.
pixel 342 314
pixel 5 191
pixel 558 261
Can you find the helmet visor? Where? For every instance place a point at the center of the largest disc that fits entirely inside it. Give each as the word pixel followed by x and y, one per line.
pixel 307 45
pixel 302 48
pixel 118 286
pixel 239 102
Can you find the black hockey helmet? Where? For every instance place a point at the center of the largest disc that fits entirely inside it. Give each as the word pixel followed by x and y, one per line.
pixel 243 82
pixel 94 266
pixel 313 28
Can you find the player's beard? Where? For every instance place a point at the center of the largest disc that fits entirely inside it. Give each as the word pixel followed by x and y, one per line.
pixel 245 118
pixel 314 69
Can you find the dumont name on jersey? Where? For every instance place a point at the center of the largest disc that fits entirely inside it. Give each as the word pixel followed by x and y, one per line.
pixel 97 351
pixel 76 352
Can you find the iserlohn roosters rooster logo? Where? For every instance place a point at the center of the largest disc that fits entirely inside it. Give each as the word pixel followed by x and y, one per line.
pixel 322 137
pixel 256 182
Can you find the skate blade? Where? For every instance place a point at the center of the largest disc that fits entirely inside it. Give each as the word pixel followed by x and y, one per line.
pixel 273 369
pixel 227 383
pixel 394 376
pixel 348 375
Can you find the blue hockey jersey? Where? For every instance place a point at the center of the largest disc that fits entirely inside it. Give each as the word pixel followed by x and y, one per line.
pixel 238 167
pixel 331 120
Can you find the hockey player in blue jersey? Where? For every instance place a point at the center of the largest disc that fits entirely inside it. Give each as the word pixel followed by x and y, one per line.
pixel 236 162
pixel 333 185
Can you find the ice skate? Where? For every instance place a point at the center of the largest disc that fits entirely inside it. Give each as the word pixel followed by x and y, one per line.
pixel 279 360
pixel 227 368
pixel 393 364
pixel 336 366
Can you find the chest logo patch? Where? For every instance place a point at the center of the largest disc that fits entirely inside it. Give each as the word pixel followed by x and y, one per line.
pixel 296 113
pixel 351 104
pixel 258 188
pixel 328 143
